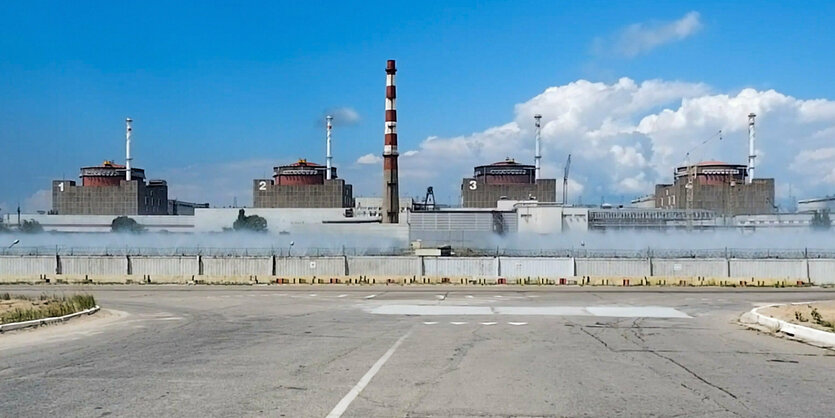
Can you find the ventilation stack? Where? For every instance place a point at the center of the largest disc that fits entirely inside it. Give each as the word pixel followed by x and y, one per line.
pixel 391 195
pixel 752 156
pixel 538 155
pixel 128 159
pixel 329 156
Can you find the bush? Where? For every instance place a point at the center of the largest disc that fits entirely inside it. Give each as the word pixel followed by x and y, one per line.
pixel 51 307
pixel 30 227
pixel 249 223
pixel 126 224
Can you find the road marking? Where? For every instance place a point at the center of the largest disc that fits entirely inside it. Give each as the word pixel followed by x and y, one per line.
pixel 489 323
pixel 601 311
pixel 343 404
pixel 371 296
pixel 341 296
pixel 441 297
pixel 458 323
pixel 517 323
pixel 469 296
pixel 497 296
pixel 429 323
pixel 172 318
pixel 312 295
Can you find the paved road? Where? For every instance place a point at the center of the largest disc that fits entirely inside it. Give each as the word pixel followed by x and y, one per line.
pixel 314 351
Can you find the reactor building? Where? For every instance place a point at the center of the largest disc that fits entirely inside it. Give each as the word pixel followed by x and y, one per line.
pixel 727 189
pixel 505 180
pixel 302 184
pixel 114 189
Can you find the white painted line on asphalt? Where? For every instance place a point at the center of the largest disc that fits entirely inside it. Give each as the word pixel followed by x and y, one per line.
pixel 341 296
pixel 441 297
pixel 517 323
pixel 542 310
pixel 497 296
pixel 469 296
pixel 458 323
pixel 489 323
pixel 431 310
pixel 429 323
pixel 343 404
pixel 173 318
pixel 637 312
pixel 312 295
pixel 371 296
pixel 603 311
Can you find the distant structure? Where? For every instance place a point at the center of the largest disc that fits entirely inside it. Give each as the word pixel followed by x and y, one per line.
pixel 752 153
pixel 726 189
pixel 538 153
pixel 114 189
pixel 826 203
pixel 391 193
pixel 505 180
pixel 302 184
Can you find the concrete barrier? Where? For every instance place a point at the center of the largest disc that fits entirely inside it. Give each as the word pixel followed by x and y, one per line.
pixel 689 267
pixel 164 265
pixel 769 269
pixel 821 271
pixel 385 266
pixel 93 265
pixel 461 267
pixel 612 267
pixel 28 265
pixel 229 266
pixel 323 267
pixel 536 267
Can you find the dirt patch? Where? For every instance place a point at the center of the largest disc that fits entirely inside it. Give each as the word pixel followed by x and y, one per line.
pixel 818 315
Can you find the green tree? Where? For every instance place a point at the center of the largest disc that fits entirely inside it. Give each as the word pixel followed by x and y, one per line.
pixel 821 220
pixel 30 227
pixel 253 223
pixel 126 224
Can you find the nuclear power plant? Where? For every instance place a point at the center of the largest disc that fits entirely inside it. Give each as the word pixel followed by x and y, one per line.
pixel 500 198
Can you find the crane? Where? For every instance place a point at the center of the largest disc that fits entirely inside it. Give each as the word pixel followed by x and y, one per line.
pixel 565 181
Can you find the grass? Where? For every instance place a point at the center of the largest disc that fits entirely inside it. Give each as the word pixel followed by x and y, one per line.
pixel 46 306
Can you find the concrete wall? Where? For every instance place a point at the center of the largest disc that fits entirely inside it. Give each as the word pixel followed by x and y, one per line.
pixel 550 267
pixel 94 265
pixel 237 266
pixel 474 267
pixel 822 271
pixel 688 267
pixel 165 266
pixel 769 269
pixel 310 266
pixel 612 267
pixel 385 266
pixel 27 265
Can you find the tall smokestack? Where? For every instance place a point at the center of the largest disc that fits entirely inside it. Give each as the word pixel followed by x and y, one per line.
pixel 391 194
pixel 538 155
pixel 752 156
pixel 127 148
pixel 329 155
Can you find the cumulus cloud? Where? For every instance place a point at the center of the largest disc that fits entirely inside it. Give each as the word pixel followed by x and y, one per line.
pixel 626 136
pixel 640 38
pixel 370 159
pixel 39 201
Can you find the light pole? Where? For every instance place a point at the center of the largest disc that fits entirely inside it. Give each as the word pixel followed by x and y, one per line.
pixel 15 242
pixel 290 249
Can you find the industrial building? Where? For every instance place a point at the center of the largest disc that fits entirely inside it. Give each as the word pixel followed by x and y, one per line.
pixel 819 204
pixel 727 189
pixel 505 180
pixel 302 184
pixel 718 187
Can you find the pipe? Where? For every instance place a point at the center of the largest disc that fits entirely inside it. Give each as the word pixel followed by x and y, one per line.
pixel 329 156
pixel 538 155
pixel 127 148
pixel 752 156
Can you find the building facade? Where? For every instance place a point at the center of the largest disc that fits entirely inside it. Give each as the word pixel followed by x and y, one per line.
pixel 105 191
pixel 505 180
pixel 717 187
pixel 302 185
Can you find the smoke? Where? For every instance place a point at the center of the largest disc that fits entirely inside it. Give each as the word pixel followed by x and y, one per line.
pixel 342 116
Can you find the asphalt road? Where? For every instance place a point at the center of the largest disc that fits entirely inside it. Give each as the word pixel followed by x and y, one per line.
pixel 393 351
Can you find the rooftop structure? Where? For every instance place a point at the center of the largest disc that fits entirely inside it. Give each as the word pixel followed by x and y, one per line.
pixel 302 184
pixel 505 180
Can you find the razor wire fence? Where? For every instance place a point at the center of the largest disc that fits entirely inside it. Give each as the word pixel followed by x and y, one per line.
pixel 710 253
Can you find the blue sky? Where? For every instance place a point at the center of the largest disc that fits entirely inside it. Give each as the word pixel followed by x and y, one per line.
pixel 221 92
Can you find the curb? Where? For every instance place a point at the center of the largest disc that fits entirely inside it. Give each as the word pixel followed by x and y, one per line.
pixel 808 335
pixel 46 321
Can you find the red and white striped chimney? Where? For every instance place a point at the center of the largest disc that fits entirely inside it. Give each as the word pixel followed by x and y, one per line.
pixel 391 194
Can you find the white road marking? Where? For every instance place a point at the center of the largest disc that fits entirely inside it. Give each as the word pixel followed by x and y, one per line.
pixel 312 294
pixel 343 404
pixel 341 296
pixel 371 296
pixel 603 311
pixel 497 296
pixel 517 323
pixel 429 323
pixel 458 323
pixel 172 318
pixel 489 323
pixel 469 296
pixel 441 297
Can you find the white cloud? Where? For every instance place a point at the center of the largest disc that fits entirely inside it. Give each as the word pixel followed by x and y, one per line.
pixel 370 159
pixel 343 116
pixel 40 200
pixel 627 136
pixel 640 38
